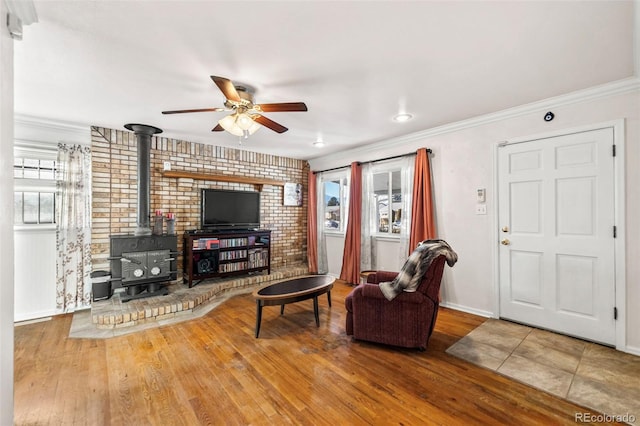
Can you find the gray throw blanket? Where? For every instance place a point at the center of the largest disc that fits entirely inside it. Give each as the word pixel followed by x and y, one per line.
pixel 416 266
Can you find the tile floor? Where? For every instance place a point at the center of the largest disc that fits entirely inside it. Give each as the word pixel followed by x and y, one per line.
pixel 585 373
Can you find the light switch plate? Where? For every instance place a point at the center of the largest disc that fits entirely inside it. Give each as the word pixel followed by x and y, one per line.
pixel 481 209
pixel 481 195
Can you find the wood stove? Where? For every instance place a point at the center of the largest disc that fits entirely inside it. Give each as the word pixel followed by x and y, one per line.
pixel 143 264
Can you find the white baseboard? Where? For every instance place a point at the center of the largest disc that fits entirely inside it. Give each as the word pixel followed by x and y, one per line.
pixel 32 318
pixel 631 350
pixel 468 310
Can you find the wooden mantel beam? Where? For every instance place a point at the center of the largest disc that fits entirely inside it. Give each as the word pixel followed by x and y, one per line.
pixel 258 182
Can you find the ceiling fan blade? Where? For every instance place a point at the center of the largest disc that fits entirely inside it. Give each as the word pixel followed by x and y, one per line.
pixel 228 89
pixel 181 111
pixel 218 128
pixel 269 123
pixel 283 107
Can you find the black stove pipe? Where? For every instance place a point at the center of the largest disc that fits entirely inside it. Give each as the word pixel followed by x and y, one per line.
pixel 143 134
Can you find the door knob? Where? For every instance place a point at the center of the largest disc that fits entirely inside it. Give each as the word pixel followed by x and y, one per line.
pixel 505 242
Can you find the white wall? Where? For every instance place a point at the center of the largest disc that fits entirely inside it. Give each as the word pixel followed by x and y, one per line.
pixel 463 160
pixel 388 254
pixel 35 274
pixel 6 225
pixel 335 248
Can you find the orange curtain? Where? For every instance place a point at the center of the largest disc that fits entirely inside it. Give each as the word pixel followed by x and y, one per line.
pixel 351 256
pixel 422 220
pixel 312 226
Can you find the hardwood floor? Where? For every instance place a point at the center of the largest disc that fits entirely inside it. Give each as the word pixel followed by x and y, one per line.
pixel 213 371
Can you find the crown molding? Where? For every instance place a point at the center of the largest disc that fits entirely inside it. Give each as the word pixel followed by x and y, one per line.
pixel 616 88
pixel 38 129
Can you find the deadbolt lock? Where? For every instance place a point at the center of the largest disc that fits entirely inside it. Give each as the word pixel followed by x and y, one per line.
pixel 505 229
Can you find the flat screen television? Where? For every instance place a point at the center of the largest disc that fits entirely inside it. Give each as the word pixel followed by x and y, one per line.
pixel 229 210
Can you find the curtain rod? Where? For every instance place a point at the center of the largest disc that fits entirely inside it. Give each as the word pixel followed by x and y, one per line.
pixel 372 161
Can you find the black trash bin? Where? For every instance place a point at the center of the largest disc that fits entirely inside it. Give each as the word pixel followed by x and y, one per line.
pixel 101 285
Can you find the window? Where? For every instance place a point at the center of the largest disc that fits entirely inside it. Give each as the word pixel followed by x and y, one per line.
pixel 33 207
pixel 33 168
pixel 335 196
pixel 34 186
pixel 387 195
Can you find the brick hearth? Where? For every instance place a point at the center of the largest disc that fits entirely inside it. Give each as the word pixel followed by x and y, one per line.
pixel 181 300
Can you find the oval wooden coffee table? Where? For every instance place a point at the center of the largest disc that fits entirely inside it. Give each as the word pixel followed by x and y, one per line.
pixel 291 291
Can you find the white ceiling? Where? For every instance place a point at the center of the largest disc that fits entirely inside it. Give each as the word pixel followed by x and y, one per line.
pixel 355 64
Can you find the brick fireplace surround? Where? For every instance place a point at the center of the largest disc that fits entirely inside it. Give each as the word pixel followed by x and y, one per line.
pixel 114 203
pixel 114 190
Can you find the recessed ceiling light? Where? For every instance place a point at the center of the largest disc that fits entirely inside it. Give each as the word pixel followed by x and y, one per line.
pixel 402 117
pixel 318 144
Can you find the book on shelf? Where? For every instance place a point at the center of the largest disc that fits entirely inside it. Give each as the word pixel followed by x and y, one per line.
pixel 205 244
pixel 258 258
pixel 233 242
pixel 232 255
pixel 233 267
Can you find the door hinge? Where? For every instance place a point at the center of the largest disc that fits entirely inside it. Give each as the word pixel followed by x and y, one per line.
pixel 615 313
pixel 614 150
pixel 615 231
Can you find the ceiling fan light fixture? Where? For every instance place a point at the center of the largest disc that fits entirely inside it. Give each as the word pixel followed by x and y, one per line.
pixel 229 124
pixel 244 121
pixel 239 124
pixel 402 117
pixel 254 127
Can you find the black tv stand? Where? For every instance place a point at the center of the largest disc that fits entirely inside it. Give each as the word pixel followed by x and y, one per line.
pixel 211 254
pixel 226 231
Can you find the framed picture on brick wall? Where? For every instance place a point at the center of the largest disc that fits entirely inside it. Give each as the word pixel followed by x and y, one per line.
pixel 292 194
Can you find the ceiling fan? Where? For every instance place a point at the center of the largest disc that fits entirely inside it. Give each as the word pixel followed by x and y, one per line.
pixel 246 117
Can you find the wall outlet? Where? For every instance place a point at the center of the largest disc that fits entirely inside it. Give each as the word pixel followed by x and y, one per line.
pixel 481 209
pixel 166 165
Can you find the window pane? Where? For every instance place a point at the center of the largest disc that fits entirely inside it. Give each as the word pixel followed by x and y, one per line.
pixel 46 169
pixel 396 201
pixel 17 169
pixel 31 200
pixel 31 167
pixel 382 207
pixel 381 194
pixel 17 207
pixel 46 207
pixel 332 205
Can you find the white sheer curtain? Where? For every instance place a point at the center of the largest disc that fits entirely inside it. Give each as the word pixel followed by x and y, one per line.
pixel 408 167
pixel 73 228
pixel 323 265
pixel 368 219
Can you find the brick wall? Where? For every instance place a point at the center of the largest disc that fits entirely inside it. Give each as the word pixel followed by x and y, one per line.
pixel 115 190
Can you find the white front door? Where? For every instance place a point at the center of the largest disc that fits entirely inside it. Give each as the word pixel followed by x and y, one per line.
pixel 556 218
